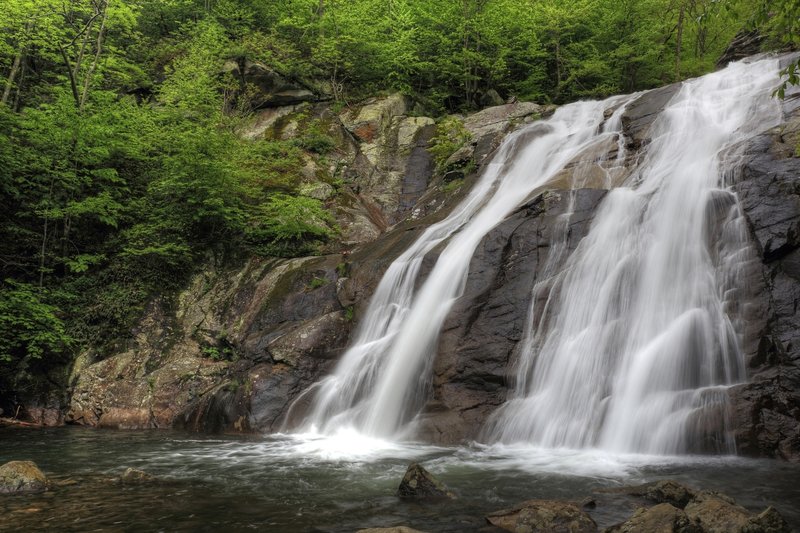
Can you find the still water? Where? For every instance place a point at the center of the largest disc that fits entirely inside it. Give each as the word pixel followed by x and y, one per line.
pixel 312 484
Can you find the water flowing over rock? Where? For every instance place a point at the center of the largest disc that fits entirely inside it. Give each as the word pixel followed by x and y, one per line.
pixel 642 336
pixel 381 382
pixel 627 267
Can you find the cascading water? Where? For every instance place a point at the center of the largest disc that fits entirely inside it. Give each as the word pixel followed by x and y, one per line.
pixel 639 342
pixel 381 382
pixel 639 339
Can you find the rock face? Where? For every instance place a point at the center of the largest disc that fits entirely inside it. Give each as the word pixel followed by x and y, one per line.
pixel 17 477
pixel 418 483
pixel 221 367
pixel 766 411
pixel 243 342
pixel 541 516
pixel 478 338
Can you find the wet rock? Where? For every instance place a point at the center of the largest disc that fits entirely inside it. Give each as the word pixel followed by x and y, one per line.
pixel 766 410
pixel 484 326
pixel 703 511
pixel 768 521
pixel 18 477
pixel 543 516
pixel 664 491
pixel 716 515
pixel 662 518
pixel 639 115
pixel 418 483
pixel 132 476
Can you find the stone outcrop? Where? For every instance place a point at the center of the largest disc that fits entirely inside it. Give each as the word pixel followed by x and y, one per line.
pixel 418 483
pixel 239 342
pixel 479 336
pixel 18 477
pixel 681 509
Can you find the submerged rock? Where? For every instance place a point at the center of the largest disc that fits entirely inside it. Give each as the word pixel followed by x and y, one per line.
pixel 17 477
pixel 419 483
pixel 133 476
pixel 543 515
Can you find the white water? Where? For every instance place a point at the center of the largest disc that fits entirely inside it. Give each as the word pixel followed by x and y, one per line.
pixel 382 380
pixel 640 339
pixel 640 336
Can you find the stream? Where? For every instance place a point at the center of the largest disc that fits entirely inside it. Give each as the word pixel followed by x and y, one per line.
pixel 308 483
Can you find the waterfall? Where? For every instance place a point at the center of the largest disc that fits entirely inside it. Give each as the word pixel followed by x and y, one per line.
pixel 382 380
pixel 641 337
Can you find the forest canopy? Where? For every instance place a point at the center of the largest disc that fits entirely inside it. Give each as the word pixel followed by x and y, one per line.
pixel 120 163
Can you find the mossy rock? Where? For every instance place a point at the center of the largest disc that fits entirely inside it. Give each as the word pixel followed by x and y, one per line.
pixel 19 477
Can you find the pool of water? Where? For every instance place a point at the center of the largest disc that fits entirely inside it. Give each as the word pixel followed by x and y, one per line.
pixel 312 484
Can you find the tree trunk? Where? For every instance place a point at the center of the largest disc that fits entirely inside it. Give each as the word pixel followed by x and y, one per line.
pixel 15 67
pixel 72 84
pixel 98 50
pixel 18 95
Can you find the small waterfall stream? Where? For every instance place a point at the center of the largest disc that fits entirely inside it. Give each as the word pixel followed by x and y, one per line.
pixel 640 338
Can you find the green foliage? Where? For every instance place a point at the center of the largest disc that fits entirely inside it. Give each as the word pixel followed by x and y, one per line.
pixel 30 327
pixel 452 185
pixel 121 169
pixel 289 225
pixel 780 19
pixel 316 283
pixel 450 136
